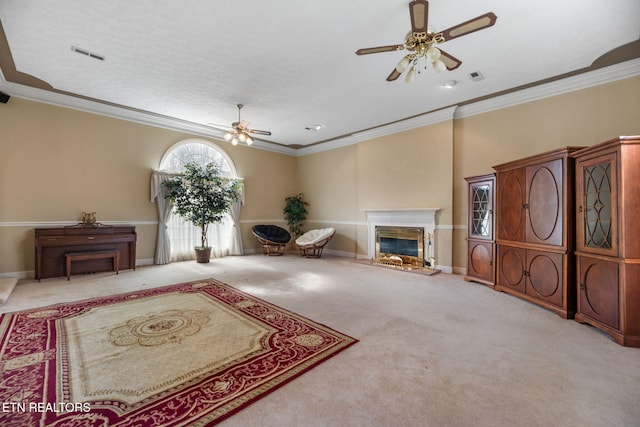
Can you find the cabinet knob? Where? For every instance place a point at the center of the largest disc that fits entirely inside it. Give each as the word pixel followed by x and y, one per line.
pixel 525 206
pixel 582 286
pixel 580 208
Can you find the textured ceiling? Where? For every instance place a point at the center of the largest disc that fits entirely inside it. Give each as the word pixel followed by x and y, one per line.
pixel 293 64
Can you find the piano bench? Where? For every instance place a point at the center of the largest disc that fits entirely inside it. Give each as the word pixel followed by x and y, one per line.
pixel 79 256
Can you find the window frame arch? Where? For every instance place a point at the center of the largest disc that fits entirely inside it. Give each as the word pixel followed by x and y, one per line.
pixel 171 150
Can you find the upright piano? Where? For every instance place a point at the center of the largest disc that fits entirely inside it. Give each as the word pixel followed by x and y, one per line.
pixel 52 244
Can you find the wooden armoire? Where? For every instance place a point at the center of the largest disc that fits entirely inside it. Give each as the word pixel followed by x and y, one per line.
pixel 481 229
pixel 535 230
pixel 608 238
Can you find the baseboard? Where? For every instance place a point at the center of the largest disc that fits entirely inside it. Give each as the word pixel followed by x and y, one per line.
pixel 20 274
pixel 444 269
pixel 460 270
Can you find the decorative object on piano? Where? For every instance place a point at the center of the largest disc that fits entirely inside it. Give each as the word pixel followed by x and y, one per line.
pixel 88 219
pixel 202 196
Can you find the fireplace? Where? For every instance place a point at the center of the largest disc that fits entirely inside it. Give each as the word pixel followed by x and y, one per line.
pixel 402 238
pixel 400 246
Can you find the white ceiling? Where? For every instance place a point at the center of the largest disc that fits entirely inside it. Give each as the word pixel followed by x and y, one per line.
pixel 293 63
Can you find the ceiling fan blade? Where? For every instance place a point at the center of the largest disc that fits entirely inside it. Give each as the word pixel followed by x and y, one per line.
pixel 419 10
pixel 379 49
pixel 475 24
pixel 393 76
pixel 258 132
pixel 450 61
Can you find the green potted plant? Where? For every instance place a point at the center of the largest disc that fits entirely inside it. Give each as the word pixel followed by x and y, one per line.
pixel 201 196
pixel 295 211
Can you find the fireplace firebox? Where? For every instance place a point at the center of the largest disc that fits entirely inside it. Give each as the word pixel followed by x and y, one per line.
pixel 400 246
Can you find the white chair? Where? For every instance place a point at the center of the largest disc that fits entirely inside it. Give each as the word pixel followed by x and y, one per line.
pixel 312 242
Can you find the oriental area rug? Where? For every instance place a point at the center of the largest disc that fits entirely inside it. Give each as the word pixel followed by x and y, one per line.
pixel 189 354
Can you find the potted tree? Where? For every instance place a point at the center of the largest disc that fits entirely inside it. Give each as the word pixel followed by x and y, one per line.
pixel 295 211
pixel 201 196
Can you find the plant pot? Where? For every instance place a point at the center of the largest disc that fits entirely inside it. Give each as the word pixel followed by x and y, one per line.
pixel 203 255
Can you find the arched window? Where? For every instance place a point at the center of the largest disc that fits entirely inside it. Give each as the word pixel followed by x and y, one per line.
pixel 223 237
pixel 196 151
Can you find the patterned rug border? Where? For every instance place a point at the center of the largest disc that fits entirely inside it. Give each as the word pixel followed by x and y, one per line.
pixel 236 404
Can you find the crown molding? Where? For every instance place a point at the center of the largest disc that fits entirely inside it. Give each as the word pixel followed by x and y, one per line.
pixel 408 124
pixel 390 129
pixel 623 70
pixel 601 76
pixel 332 144
pixel 121 113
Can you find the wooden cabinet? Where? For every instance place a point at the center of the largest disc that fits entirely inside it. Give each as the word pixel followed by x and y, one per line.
pixel 480 234
pixel 535 230
pixel 608 238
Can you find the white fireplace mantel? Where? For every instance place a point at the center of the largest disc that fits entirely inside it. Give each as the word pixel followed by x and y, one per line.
pixel 418 217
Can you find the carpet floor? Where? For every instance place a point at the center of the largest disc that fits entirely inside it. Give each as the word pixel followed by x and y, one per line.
pixel 433 350
pixel 181 355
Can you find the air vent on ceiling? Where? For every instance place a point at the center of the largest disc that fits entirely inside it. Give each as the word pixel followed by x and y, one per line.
pixel 476 76
pixel 87 53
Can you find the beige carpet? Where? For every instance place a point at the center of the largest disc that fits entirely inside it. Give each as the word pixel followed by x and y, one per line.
pixel 433 351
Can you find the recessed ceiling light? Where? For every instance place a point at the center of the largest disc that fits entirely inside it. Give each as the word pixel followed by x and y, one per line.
pixel 314 128
pixel 450 83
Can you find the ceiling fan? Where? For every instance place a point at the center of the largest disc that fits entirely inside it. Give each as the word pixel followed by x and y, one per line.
pixel 421 42
pixel 238 131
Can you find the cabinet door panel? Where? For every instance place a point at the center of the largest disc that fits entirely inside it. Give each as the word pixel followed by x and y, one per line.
pixel 599 291
pixel 511 199
pixel 544 213
pixel 480 262
pixel 481 210
pixel 545 276
pixel 512 265
pixel 597 211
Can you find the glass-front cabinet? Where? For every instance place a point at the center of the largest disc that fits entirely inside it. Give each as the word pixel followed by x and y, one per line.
pixel 608 238
pixel 597 210
pixel 480 233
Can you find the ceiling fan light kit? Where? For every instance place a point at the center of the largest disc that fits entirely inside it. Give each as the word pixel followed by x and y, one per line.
pixel 421 42
pixel 238 131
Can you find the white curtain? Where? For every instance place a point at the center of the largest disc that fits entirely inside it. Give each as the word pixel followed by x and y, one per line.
pixel 184 237
pixel 236 235
pixel 177 238
pixel 163 245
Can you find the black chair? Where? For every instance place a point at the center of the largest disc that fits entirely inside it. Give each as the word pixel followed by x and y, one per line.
pixel 271 237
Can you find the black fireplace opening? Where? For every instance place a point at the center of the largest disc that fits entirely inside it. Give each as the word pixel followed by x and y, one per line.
pixel 392 245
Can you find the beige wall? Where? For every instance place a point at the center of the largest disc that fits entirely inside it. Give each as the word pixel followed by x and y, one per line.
pixel 56 163
pixel 329 183
pixel 410 169
pixel 581 118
